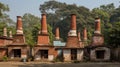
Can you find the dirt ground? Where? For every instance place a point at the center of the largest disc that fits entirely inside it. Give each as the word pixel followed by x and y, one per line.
pixel 39 64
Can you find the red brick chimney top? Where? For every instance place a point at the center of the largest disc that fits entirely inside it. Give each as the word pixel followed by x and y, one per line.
pixel 18 16
pixel 43 24
pixel 73 22
pixel 97 26
pixel 72 31
pixel 43 14
pixel 57 36
pixel 97 19
pixel 85 34
pixel 19 25
pixel 73 14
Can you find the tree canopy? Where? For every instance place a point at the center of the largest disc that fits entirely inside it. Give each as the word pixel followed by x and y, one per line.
pixel 5 20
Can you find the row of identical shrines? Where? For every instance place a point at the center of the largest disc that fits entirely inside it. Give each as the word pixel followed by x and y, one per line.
pixel 15 47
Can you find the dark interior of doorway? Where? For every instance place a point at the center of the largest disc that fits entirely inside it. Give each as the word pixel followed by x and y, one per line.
pixel 44 54
pixel 73 54
pixel 17 52
pixel 100 54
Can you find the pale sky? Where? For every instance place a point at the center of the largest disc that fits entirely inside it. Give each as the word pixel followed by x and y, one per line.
pixel 20 7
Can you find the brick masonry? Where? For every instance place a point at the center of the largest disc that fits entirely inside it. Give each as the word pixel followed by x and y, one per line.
pixel 106 54
pixel 43 40
pixel 67 54
pixel 98 48
pixel 18 42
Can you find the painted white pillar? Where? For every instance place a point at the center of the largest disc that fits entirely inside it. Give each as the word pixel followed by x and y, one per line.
pixel 50 57
pixel 67 55
pixel 80 55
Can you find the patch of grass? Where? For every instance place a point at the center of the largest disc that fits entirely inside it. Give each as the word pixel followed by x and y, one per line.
pixel 75 61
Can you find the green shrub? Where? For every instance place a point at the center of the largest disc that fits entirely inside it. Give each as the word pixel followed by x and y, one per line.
pixel 56 60
pixel 5 58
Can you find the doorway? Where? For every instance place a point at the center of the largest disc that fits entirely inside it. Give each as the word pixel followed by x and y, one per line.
pixel 44 54
pixel 17 53
pixel 60 55
pixel 100 54
pixel 73 54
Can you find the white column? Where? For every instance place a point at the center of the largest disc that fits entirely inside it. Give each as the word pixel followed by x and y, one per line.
pixel 80 55
pixel 67 55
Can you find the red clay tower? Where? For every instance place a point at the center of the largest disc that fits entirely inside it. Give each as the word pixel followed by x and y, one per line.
pixel 98 51
pixel 72 40
pixel 43 37
pixel 18 49
pixel 84 34
pixel 72 31
pixel 97 26
pixel 43 50
pixel 98 38
pixel 19 25
pixel 73 49
pixel 44 25
pixel 57 35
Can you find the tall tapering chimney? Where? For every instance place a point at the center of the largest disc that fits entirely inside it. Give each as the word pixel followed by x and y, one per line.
pixel 19 25
pixel 5 32
pixel 79 36
pixel 43 24
pixel 43 37
pixel 10 34
pixel 73 26
pixel 72 39
pixel 57 36
pixel 84 34
pixel 97 26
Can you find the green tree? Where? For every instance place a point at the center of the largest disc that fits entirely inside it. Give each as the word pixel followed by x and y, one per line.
pixel 109 8
pixel 3 8
pixel 116 15
pixel 5 20
pixel 114 35
pixel 29 22
pixel 103 15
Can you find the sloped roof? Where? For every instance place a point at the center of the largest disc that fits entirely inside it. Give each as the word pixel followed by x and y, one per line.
pixel 72 42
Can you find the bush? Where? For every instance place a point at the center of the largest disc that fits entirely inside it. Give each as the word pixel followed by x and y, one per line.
pixel 55 60
pixel 5 58
pixel 86 58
